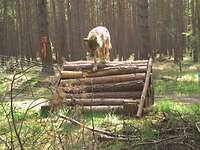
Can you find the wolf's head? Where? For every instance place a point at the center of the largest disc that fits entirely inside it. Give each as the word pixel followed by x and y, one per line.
pixel 92 42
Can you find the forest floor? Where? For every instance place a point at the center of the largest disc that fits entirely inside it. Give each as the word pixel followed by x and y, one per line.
pixel 175 98
pixel 184 99
pixel 173 124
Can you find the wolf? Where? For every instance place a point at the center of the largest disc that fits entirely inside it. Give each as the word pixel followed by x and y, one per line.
pixel 99 43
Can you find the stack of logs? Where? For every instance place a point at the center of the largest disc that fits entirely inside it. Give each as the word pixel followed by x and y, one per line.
pixel 125 83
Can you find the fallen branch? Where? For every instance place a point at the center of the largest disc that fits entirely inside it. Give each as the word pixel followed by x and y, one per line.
pixel 155 141
pixel 198 126
pixel 93 129
pixel 103 137
pixel 12 111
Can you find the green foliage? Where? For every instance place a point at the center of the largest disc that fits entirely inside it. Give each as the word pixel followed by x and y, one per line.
pixel 30 84
pixel 148 130
pixel 169 105
pixel 95 118
pixel 4 82
pixel 174 87
pixel 45 128
pixel 168 79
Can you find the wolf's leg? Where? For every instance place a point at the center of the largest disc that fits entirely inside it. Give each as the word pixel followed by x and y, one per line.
pixel 94 67
pixel 107 55
pixel 102 55
pixel 107 50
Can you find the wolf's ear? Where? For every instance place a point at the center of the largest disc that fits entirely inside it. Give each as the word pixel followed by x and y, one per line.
pixel 86 39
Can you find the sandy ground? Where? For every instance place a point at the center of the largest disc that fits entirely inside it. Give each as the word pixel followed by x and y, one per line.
pixel 33 104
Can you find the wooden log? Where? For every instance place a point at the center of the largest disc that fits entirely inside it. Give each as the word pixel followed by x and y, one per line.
pixel 152 95
pixel 151 91
pixel 133 95
pixel 71 74
pixel 144 92
pixel 118 108
pixel 105 72
pixel 148 97
pixel 109 87
pixel 98 102
pixel 131 108
pixel 103 80
pixel 117 71
pixel 107 62
pixel 88 66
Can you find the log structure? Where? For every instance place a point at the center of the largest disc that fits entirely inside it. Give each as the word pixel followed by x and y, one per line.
pixel 121 83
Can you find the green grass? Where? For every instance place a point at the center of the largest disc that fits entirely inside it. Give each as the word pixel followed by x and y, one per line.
pixel 39 129
pixel 2 88
pixel 168 105
pixel 29 85
pixel 176 87
pixel 146 127
pixel 34 127
pixel 169 80
pixel 4 79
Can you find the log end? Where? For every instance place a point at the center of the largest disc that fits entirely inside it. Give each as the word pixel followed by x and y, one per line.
pixel 130 109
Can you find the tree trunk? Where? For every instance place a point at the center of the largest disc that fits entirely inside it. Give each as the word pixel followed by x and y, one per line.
pixel 144 38
pixel 61 31
pixel 195 29
pixel 5 27
pixel 45 48
pixel 179 29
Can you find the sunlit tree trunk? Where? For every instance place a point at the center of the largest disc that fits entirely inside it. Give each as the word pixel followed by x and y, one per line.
pixel 179 29
pixel 45 48
pixel 61 31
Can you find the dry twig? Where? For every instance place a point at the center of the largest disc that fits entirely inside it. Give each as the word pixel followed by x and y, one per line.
pixel 99 131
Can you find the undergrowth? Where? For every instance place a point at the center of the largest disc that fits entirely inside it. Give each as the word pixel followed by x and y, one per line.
pixel 169 80
pixel 171 124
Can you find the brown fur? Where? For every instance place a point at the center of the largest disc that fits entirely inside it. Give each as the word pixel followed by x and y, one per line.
pixel 99 43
